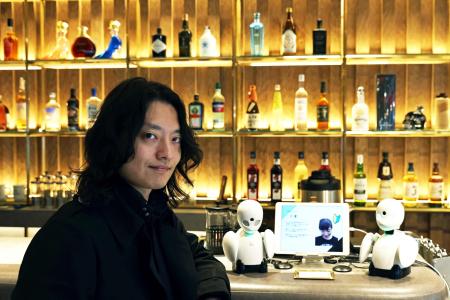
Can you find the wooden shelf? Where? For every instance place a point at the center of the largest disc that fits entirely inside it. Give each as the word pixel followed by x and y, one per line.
pixel 399 133
pixel 60 134
pixel 81 63
pixel 16 65
pixel 297 60
pixel 12 133
pixel 183 62
pixel 213 133
pixel 396 59
pixel 290 133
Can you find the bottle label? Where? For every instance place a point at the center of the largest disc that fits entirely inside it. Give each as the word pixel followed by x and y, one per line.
pixel 301 110
pixel 218 114
pixel 252 181
pixel 21 108
pixel 289 42
pixel 92 111
pixel 386 171
pixel 436 191
pixel 276 186
pixel 386 190
pixel 8 49
pixel 411 190
pixel 158 46
pixel 195 117
pixel 360 189
pixel 72 115
pixel 252 120
pixel 360 120
pixel 322 113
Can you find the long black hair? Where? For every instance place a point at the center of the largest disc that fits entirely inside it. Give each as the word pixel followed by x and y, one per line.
pixel 109 143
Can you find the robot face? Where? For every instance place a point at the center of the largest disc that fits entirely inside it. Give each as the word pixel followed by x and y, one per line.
pixel 250 215
pixel 390 214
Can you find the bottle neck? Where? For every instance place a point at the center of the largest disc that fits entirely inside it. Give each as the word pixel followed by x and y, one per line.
pixel 324 162
pixel 10 30
pixel 360 168
pixel 185 25
pixel 276 161
pixel 301 84
pixel 253 161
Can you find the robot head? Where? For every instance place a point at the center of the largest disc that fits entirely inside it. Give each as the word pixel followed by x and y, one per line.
pixel 250 215
pixel 390 214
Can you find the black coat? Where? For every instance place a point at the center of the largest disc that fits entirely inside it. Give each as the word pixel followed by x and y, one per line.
pixel 127 249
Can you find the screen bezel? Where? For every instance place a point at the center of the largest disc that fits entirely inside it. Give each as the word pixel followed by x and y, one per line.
pixel 345 222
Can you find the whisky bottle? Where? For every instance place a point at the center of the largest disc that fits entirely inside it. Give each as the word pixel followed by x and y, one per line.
pixel 93 105
pixel 4 116
pixel 256 36
pixel 159 44
pixel 410 187
pixel 276 179
pixel 52 114
pixel 301 173
pixel 360 182
pixel 385 176
pixel 196 110
pixel 253 178
pixel 218 107
pixel 83 45
pixel 252 109
pixel 289 36
pixel 436 187
pixel 277 110
pixel 360 112
pixel 185 38
pixel 10 42
pixel 208 44
pixel 301 105
pixel 319 39
pixel 21 107
pixel 324 163
pixel 62 48
pixel 73 106
pixel 323 108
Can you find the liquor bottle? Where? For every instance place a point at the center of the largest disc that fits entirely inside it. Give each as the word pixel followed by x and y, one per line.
pixel 385 176
pixel 319 39
pixel 410 187
pixel 196 111
pixel 277 110
pixel 73 106
pixel 360 182
pixel 218 106
pixel 386 91
pixel 323 108
pixel 360 112
pixel 93 105
pixel 115 42
pixel 252 109
pixel 52 114
pixel 83 46
pixel 21 107
pixel 185 38
pixel 62 48
pixel 159 45
pixel 253 178
pixel 436 187
pixel 301 173
pixel 208 44
pixel 10 42
pixel 441 112
pixel 324 163
pixel 289 37
pixel 4 116
pixel 256 36
pixel 276 179
pixel 301 105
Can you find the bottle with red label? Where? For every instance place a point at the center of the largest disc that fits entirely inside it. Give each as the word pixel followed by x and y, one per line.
pixel 253 178
pixel 218 106
pixel 276 179
pixel 325 165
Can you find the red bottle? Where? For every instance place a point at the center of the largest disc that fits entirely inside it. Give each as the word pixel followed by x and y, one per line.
pixel 3 116
pixel 83 45
pixel 325 164
pixel 253 178
pixel 10 42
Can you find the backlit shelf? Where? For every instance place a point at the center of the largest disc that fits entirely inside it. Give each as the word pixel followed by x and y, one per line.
pixel 396 59
pixel 58 134
pixel 297 60
pixel 75 64
pixel 183 62
pixel 400 133
pixel 420 206
pixel 16 65
pixel 12 133
pixel 213 133
pixel 290 133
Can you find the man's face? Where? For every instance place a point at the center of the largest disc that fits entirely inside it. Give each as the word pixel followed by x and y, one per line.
pixel 326 233
pixel 157 150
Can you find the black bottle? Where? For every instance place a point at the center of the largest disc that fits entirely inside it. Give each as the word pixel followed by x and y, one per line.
pixel 159 44
pixel 319 39
pixel 73 106
pixel 276 179
pixel 196 111
pixel 184 38
pixel 385 168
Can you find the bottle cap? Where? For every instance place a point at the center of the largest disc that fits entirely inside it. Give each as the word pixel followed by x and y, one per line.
pixel 442 95
pixel 186 17
pixel 277 87
pixel 276 154
pixel 72 92
pixel 301 77
pixel 324 155
pixel 94 92
pixel 435 167
pixel 410 167
pixel 323 87
pixel 52 95
pixel 301 155
pixel 22 83
pixel 253 155
pixel 257 15
pixel 158 30
pixel 360 159
pixel 10 22
pixel 289 10
pixel 319 23
pixel 196 97
pixel 218 86
pixel 385 155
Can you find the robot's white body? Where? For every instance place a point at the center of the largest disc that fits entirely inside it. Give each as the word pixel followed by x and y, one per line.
pixel 394 250
pixel 248 247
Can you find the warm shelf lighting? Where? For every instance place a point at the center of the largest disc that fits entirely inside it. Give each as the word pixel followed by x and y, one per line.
pixel 183 63
pixel 7 66
pixel 299 60
pixel 75 64
pixel 396 59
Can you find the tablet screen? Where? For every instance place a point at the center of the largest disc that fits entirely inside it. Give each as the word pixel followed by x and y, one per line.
pixel 312 228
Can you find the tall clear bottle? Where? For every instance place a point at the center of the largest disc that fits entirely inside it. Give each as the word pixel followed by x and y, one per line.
pixel 276 123
pixel 252 109
pixel 21 107
pixel 410 187
pixel 218 107
pixel 301 173
pixel 256 36
pixel 360 182
pixel 360 112
pixel 276 179
pixel 93 105
pixel 289 36
pixel 62 48
pixel 52 114
pixel 301 105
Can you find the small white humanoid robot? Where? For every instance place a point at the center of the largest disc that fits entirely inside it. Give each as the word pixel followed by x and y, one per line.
pixel 394 252
pixel 248 249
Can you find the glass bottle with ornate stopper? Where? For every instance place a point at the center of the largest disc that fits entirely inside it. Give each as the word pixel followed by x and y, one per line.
pixel 83 46
pixel 62 48
pixel 115 43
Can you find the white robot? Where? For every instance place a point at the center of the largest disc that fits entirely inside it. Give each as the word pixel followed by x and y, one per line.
pixel 394 252
pixel 248 249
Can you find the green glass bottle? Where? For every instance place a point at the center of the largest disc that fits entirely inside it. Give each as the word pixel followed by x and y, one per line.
pixel 360 182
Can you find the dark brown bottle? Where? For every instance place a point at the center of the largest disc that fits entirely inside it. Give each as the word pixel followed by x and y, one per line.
pixel 276 179
pixel 184 38
pixel 253 178
pixel 319 39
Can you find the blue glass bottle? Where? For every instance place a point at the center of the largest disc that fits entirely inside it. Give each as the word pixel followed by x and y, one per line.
pixel 256 36
pixel 114 44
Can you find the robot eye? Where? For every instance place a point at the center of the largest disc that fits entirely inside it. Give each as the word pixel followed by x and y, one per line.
pixel 246 223
pixel 384 213
pixel 251 219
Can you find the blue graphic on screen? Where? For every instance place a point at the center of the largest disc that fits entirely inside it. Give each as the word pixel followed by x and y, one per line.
pixel 311 229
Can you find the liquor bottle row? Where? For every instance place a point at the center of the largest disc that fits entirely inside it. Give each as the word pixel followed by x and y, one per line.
pixel 52 112
pixel 385 177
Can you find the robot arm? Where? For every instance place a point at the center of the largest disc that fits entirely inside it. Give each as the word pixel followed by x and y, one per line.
pixel 367 245
pixel 269 242
pixel 230 245
pixel 407 251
